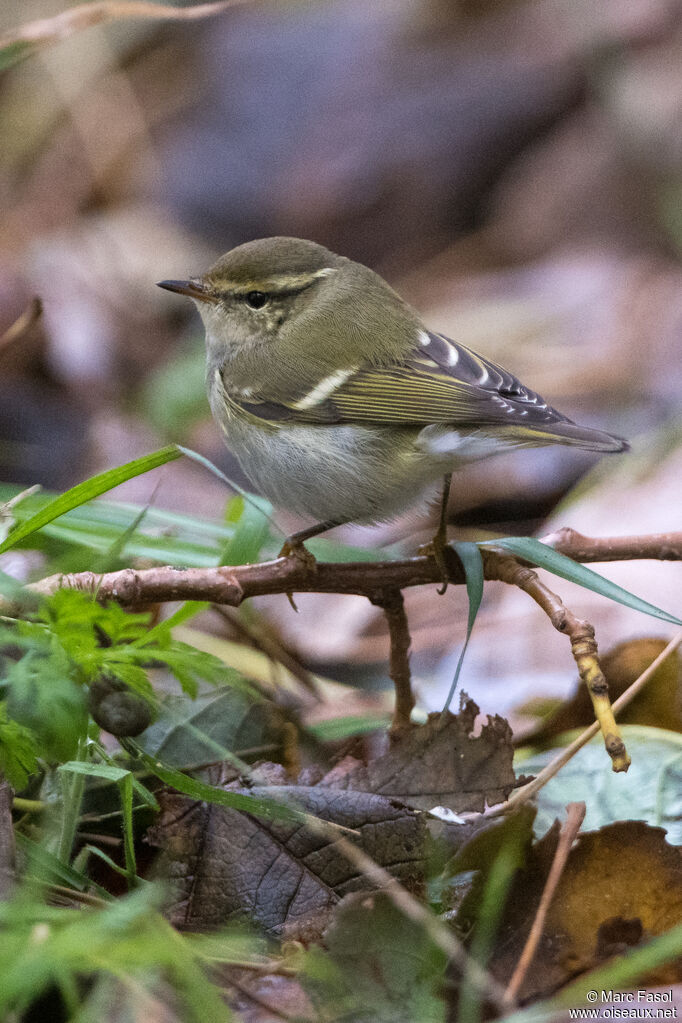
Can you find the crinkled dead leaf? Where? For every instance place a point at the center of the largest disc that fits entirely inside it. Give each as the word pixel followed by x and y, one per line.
pixel 228 864
pixel 442 763
pixel 622 885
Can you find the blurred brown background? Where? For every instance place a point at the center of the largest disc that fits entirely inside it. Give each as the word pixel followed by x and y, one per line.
pixel 513 168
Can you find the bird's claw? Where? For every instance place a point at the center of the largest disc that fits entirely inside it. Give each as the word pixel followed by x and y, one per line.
pixel 436 549
pixel 292 549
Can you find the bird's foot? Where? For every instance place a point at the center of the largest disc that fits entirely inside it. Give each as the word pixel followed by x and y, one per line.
pixel 293 548
pixel 436 549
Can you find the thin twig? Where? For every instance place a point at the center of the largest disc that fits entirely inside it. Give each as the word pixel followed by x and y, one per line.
pixel 264 639
pixel 583 646
pixel 393 606
pixel 526 792
pixel 23 323
pixel 51 30
pixel 575 816
pixel 72 895
pixel 659 546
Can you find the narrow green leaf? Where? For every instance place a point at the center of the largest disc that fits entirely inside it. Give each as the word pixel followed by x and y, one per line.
pixel 252 529
pixel 15 52
pixel 163 629
pixel 472 563
pixel 267 808
pixel 126 788
pixel 93 850
pixel 107 771
pixel 124 780
pixel 546 557
pixel 45 864
pixel 334 729
pixel 250 498
pixel 85 491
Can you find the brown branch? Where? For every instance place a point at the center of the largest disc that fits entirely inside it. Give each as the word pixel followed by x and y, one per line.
pixel 393 606
pixel 583 646
pixel 571 827
pixel 232 585
pixel 381 582
pixel 660 546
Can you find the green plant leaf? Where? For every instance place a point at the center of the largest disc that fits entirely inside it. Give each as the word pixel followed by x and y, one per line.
pixel 85 491
pixel 18 751
pixel 270 809
pixel 472 563
pixel 251 520
pixel 334 729
pixel 127 939
pixel 653 792
pixel 228 720
pixel 15 52
pixel 540 554
pixel 43 698
pixel 124 780
pixel 163 536
pixel 45 866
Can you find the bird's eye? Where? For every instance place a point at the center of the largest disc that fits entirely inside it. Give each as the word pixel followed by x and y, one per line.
pixel 256 299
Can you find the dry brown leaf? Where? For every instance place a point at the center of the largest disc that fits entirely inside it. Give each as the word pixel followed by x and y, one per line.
pixel 442 764
pixel 622 885
pixel 228 864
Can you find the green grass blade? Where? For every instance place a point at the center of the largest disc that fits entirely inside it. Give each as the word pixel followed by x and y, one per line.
pixel 258 503
pixel 472 563
pixel 251 523
pixel 270 809
pixel 546 557
pixel 45 866
pixel 85 491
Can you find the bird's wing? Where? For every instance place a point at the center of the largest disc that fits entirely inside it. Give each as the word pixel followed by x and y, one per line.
pixel 439 382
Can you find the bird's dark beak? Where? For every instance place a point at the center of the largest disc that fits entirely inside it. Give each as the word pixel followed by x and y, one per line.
pixel 193 289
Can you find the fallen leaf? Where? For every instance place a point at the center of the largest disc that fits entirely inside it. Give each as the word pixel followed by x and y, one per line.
pixel 228 864
pixel 379 966
pixel 622 885
pixel 652 791
pixel 193 732
pixel 441 763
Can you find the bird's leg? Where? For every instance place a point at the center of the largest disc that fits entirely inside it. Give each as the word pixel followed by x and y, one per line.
pixel 293 545
pixel 436 549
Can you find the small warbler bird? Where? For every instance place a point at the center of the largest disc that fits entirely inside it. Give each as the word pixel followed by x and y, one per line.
pixel 338 402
